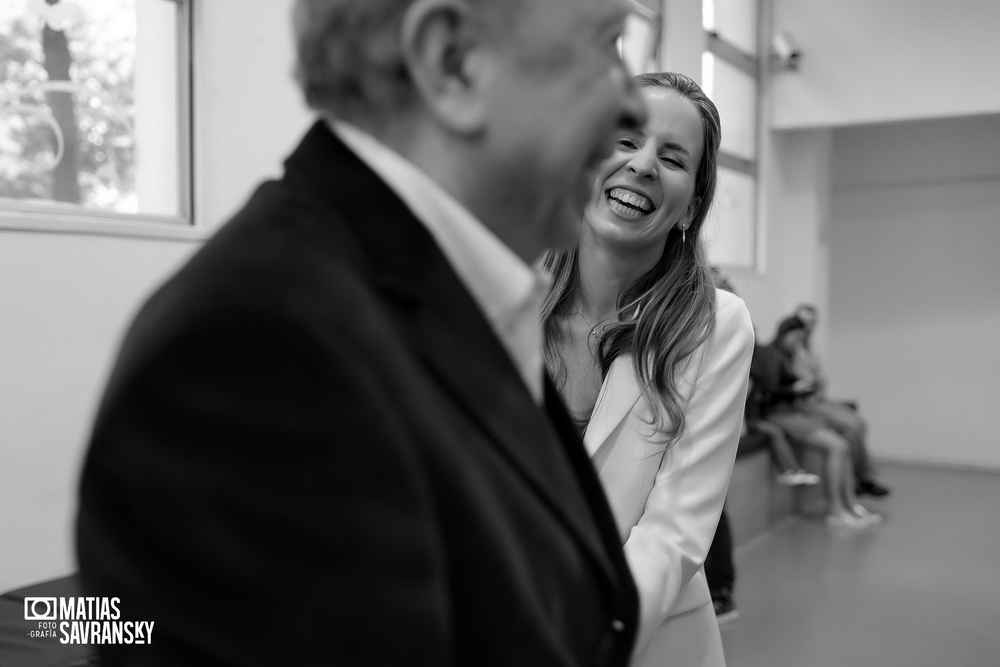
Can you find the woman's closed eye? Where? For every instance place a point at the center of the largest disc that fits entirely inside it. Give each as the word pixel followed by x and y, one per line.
pixel 674 161
pixel 628 143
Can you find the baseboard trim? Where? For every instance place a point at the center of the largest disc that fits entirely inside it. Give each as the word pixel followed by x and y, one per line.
pixel 937 465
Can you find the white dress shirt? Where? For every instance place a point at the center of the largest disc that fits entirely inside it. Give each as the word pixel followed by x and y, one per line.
pixel 506 289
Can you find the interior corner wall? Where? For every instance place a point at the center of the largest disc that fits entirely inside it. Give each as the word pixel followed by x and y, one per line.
pixel 890 60
pixel 915 286
pixel 66 298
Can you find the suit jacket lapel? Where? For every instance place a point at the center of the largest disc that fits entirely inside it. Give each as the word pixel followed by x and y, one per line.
pixel 619 394
pixel 450 332
pixel 460 349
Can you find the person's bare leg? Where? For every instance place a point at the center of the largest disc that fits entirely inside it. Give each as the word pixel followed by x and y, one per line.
pixel 848 423
pixel 837 478
pixel 851 498
pixel 781 449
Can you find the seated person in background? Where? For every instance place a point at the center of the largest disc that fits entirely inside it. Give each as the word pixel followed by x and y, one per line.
pixel 792 473
pixel 841 416
pixel 782 394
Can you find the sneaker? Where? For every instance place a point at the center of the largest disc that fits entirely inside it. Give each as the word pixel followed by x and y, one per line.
pixel 847 520
pixel 725 610
pixel 807 478
pixel 798 478
pixel 865 514
pixel 788 478
pixel 870 487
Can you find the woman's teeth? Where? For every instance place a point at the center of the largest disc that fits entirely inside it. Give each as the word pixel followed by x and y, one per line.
pixel 629 204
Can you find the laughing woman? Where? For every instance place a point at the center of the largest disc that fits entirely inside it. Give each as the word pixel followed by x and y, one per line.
pixel 652 361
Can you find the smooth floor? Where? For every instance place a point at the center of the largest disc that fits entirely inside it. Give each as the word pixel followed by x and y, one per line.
pixel 922 589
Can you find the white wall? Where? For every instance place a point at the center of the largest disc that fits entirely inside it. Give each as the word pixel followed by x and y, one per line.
pixel 867 61
pixel 64 302
pixel 795 182
pixel 249 111
pixel 65 299
pixel 914 316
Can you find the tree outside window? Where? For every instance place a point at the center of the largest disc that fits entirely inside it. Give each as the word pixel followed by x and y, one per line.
pixel 74 129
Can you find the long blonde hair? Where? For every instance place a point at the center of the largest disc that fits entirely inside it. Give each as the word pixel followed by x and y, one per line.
pixel 665 314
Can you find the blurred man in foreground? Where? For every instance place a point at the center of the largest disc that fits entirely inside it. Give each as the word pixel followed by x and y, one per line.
pixel 329 438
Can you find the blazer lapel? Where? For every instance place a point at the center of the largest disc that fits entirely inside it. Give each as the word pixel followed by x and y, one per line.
pixel 619 394
pixel 460 348
pixel 449 331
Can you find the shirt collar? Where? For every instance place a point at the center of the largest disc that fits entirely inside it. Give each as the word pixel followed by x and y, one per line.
pixel 501 283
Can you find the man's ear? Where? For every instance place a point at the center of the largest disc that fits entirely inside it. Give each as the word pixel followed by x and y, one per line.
pixel 440 42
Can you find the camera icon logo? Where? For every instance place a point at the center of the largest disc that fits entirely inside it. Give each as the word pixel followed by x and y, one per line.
pixel 40 609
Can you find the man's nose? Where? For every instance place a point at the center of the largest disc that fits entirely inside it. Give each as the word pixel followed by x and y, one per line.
pixel 634 113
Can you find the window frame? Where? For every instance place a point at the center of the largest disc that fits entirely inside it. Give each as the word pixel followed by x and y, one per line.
pixel 651 13
pixel 32 216
pixel 751 64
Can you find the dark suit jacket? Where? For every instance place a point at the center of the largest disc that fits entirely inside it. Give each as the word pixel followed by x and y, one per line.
pixel 314 450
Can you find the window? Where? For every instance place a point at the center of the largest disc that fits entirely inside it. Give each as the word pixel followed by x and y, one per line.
pixel 94 114
pixel 731 77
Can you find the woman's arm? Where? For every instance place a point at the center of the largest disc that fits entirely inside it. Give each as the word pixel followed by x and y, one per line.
pixel 669 543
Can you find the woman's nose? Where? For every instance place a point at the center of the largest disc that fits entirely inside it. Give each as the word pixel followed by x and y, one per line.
pixel 643 162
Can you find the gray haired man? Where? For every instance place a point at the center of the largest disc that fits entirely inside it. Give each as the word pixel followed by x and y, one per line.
pixel 329 439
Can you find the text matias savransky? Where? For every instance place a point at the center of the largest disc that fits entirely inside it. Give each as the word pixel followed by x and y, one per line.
pixel 85 620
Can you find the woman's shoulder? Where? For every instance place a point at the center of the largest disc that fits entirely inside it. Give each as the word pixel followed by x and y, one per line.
pixel 731 316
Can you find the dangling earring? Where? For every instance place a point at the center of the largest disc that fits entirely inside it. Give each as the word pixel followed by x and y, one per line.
pixel 684 235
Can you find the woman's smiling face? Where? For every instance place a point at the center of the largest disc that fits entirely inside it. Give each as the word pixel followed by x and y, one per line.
pixel 647 186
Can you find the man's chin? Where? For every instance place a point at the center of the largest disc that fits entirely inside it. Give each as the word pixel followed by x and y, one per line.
pixel 564 228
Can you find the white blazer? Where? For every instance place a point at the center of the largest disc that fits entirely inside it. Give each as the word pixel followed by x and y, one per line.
pixel 667 502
